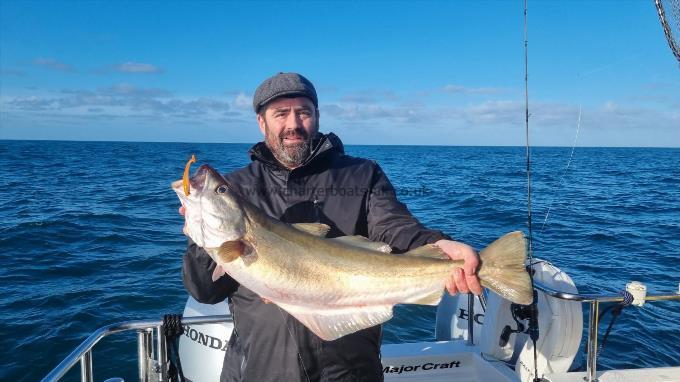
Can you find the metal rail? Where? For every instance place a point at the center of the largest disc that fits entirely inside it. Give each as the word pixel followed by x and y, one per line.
pixel 594 301
pixel 600 297
pixel 83 352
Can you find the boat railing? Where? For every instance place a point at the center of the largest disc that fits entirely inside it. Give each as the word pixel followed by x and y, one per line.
pixel 594 301
pixel 153 360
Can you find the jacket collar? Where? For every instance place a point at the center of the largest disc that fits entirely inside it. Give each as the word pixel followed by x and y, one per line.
pixel 322 146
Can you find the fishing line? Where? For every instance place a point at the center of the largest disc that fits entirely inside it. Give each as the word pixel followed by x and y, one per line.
pixel 302 362
pixel 564 173
pixel 579 77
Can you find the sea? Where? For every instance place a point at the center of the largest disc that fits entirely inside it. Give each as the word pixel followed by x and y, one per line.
pixel 90 235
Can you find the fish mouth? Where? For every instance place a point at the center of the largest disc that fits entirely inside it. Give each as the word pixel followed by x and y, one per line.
pixel 209 215
pixel 198 182
pixel 202 177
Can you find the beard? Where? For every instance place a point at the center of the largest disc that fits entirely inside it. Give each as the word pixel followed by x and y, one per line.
pixel 290 155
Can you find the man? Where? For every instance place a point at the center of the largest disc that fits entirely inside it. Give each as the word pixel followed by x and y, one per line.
pixel 300 175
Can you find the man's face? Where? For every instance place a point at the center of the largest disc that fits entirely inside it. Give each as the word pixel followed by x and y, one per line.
pixel 288 125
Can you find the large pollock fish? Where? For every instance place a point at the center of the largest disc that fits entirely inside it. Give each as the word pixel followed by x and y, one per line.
pixel 332 286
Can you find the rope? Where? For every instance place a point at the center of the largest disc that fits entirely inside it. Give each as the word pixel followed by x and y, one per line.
pixel 172 329
pixel 616 312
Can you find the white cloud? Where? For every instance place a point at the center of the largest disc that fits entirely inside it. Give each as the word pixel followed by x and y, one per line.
pixel 370 96
pixel 545 117
pixel 428 121
pixel 123 100
pixel 137 67
pixel 451 88
pixel 610 107
pixel 11 72
pixel 376 113
pixel 54 64
pixel 128 90
pixel 243 102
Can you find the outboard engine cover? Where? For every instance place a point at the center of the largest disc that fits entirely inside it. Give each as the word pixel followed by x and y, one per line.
pixel 453 315
pixel 499 335
pixel 560 326
pixel 202 347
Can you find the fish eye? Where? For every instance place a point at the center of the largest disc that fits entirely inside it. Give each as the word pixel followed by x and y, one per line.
pixel 221 189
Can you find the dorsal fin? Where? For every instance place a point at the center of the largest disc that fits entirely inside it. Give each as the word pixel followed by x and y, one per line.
pixel 428 250
pixel 316 229
pixel 362 242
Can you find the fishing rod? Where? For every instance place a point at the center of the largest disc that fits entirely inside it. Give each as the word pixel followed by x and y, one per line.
pixel 533 308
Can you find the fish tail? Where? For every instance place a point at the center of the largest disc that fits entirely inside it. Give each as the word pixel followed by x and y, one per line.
pixel 503 271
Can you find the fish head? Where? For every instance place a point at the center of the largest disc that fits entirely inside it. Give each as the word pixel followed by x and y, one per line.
pixel 213 210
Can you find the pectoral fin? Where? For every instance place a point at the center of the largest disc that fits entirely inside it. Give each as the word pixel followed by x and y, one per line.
pixel 316 229
pixel 362 242
pixel 331 324
pixel 230 251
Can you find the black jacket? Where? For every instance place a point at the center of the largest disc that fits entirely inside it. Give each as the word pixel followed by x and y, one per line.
pixel 354 197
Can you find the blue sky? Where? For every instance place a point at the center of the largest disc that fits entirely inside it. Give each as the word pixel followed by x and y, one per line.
pixel 426 72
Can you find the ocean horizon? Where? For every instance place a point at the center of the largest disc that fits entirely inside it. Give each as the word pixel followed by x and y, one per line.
pixel 345 144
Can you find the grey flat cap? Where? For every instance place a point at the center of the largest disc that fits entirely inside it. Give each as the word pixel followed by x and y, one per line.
pixel 283 84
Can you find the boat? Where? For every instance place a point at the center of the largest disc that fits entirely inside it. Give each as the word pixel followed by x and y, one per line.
pixel 492 346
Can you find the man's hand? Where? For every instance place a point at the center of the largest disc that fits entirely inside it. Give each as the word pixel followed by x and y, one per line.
pixel 462 280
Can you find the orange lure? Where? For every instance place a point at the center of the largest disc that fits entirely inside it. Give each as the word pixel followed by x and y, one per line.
pixel 185 178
